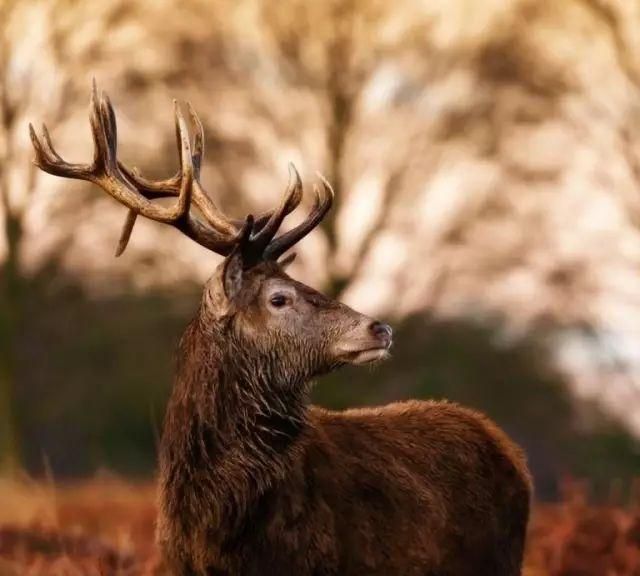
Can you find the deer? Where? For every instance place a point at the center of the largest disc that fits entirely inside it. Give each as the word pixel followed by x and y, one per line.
pixel 253 478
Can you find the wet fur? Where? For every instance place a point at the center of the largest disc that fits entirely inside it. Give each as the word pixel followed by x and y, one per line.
pixel 255 481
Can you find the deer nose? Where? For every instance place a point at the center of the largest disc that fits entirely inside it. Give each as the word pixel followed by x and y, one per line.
pixel 382 331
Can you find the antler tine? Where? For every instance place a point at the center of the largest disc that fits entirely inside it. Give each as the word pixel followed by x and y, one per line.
pixel 322 204
pixel 198 141
pixel 105 140
pixel 187 170
pixel 48 145
pixel 125 233
pixel 50 161
pixel 292 196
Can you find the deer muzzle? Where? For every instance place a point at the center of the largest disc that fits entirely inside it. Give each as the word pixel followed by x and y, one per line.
pixel 369 342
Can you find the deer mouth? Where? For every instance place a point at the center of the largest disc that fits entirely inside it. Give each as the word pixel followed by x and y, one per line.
pixel 365 355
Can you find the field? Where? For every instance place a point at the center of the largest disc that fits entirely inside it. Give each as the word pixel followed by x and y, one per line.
pixel 105 527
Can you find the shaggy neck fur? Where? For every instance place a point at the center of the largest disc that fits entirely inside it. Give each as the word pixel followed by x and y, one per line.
pixel 231 427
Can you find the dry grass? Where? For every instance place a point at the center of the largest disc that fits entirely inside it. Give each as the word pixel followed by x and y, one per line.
pixel 105 528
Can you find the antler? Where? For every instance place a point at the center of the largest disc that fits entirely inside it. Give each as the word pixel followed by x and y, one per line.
pixel 322 204
pixel 216 232
pixel 171 187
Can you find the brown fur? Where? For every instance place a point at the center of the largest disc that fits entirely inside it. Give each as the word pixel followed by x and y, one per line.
pixel 255 481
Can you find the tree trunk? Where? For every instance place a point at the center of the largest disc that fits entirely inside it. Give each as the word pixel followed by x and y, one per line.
pixel 10 306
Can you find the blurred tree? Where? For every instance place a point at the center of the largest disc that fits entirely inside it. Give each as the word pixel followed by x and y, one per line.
pixel 9 273
pixel 337 50
pixel 28 78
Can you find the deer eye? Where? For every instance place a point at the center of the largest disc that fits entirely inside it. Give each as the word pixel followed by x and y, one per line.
pixel 278 300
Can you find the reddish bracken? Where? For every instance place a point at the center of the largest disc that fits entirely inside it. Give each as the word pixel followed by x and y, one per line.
pixel 99 532
pixel 253 479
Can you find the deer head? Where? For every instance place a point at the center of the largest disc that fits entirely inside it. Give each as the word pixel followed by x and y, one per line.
pixel 288 330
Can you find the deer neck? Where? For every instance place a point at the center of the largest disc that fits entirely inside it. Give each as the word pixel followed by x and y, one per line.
pixel 230 431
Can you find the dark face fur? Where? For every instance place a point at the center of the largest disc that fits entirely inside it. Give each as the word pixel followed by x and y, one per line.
pixel 287 328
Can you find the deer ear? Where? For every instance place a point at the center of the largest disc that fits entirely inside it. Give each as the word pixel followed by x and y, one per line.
pixel 232 275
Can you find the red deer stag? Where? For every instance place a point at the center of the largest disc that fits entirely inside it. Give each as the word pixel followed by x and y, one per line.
pixel 256 481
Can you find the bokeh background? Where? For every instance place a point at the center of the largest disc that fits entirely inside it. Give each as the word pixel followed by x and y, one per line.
pixel 486 162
